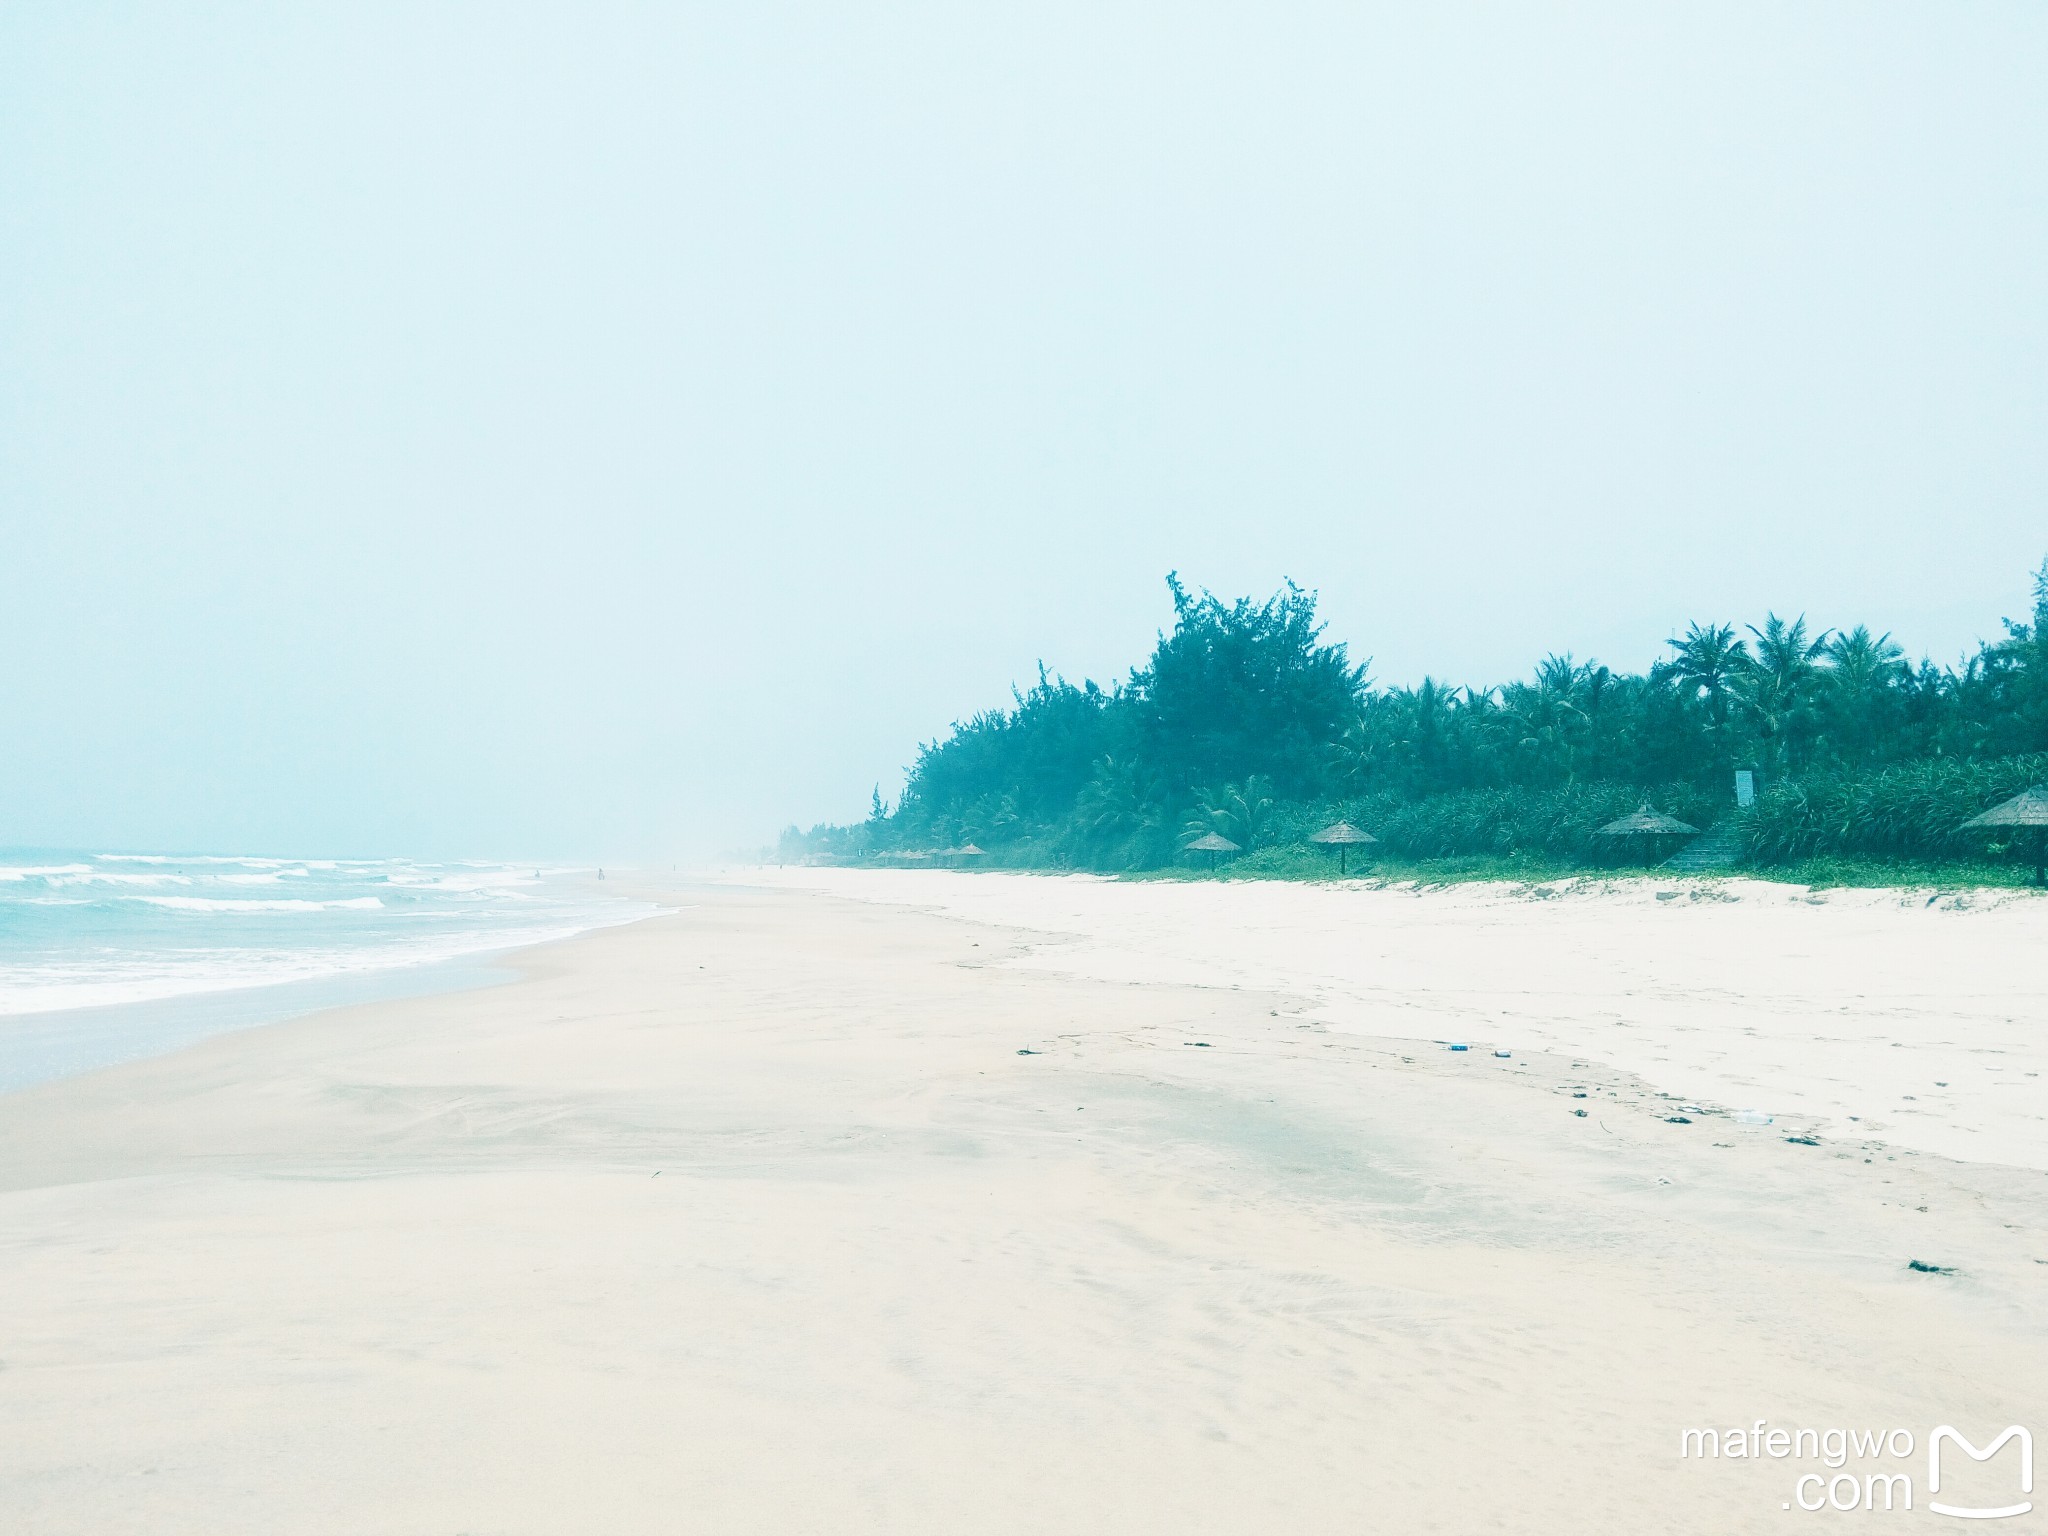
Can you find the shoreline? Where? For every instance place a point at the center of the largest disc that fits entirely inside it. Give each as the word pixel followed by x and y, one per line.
pixel 788 1211
pixel 49 1044
pixel 68 1042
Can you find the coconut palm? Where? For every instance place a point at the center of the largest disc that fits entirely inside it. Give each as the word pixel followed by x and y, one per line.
pixel 1779 684
pixel 1240 812
pixel 1861 662
pixel 1122 799
pixel 1710 662
pixel 1356 756
pixel 1786 653
pixel 1547 720
pixel 1864 672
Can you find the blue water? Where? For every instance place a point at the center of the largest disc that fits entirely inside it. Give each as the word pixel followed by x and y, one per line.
pixel 104 957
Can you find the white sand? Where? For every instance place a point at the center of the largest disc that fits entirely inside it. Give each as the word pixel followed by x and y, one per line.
pixel 754 1219
pixel 1917 1018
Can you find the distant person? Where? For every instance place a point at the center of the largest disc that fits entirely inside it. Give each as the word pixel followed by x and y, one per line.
pixel 600 872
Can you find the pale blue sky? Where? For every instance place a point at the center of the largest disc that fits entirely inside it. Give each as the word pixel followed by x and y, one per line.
pixel 618 430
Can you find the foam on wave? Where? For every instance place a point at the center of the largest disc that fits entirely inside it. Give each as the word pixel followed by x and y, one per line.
pixel 223 904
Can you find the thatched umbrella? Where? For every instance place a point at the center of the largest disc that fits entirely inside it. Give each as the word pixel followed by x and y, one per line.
pixel 1212 843
pixel 2028 809
pixel 965 851
pixel 1647 824
pixel 1342 835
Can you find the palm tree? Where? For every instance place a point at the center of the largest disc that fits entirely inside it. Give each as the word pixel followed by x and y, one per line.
pixel 1863 663
pixel 1548 721
pixel 1864 672
pixel 1779 683
pixel 1354 756
pixel 1239 811
pixel 1421 727
pixel 1121 799
pixel 1709 663
pixel 1784 651
pixel 1562 677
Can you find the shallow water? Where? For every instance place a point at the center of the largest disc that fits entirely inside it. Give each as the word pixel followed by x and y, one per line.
pixel 105 957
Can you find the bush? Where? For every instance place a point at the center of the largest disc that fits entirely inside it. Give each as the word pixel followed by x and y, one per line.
pixel 1915 810
pixel 1488 823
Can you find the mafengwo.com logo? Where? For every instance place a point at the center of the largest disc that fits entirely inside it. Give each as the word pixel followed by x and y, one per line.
pixel 1873 1470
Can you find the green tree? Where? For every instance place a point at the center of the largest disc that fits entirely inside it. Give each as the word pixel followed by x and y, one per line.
pixel 1778 687
pixel 1240 812
pixel 1248 695
pixel 1710 663
pixel 1244 688
pixel 1862 692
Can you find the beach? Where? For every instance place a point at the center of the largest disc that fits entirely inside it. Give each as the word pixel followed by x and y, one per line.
pixel 914 1201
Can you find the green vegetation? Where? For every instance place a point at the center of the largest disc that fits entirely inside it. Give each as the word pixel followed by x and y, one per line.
pixel 1244 722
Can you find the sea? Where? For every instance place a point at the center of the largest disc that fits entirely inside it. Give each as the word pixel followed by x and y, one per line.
pixel 105 957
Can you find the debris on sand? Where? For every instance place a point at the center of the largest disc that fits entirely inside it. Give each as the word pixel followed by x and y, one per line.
pixel 1929 1269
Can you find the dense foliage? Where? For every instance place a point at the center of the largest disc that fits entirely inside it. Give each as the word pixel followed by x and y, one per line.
pixel 1244 721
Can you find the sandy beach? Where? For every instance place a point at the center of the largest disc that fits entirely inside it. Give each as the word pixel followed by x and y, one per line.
pixel 901 1202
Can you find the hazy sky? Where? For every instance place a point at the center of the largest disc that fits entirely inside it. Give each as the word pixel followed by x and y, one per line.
pixel 619 430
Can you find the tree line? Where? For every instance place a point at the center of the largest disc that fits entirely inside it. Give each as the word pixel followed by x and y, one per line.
pixel 1246 721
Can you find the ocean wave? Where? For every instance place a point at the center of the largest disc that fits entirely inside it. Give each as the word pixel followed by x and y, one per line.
pixel 221 904
pixel 495 878
pixel 51 988
pixel 249 862
pixel 80 930
pixel 42 871
pixel 109 877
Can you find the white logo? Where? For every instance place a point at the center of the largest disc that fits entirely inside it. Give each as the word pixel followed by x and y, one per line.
pixel 1944 1432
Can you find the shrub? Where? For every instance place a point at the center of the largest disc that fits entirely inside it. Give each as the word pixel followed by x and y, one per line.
pixel 1915 810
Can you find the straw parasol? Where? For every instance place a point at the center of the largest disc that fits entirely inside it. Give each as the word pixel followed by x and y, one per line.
pixel 2027 809
pixel 1212 843
pixel 965 851
pixel 1644 822
pixel 1341 835
pixel 1647 824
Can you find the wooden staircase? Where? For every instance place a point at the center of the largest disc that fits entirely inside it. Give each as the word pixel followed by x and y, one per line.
pixel 1714 850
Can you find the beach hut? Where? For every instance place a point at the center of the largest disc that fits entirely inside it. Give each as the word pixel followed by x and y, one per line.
pixel 2028 809
pixel 965 851
pixel 1342 836
pixel 1212 843
pixel 1653 827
